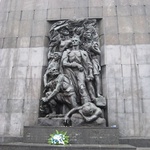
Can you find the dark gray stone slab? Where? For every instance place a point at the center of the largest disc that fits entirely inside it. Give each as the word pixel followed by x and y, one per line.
pixel 78 135
pixel 138 142
pixel 23 146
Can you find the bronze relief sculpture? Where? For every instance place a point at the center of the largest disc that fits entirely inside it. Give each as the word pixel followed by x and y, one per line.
pixel 72 80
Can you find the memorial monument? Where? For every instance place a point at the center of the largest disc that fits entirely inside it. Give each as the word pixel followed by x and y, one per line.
pixel 74 65
pixel 72 78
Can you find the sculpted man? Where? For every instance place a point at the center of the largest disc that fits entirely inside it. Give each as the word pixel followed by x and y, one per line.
pixel 78 62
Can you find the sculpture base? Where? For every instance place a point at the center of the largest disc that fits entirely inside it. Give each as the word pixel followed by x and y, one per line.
pixel 76 120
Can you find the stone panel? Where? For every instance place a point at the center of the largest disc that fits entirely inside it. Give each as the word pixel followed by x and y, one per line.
pixel 14 15
pixel 138 10
pixel 109 11
pixel 16 124
pixel 35 72
pixel 96 3
pixel 3 107
pixel 125 24
pixel 1 42
pixel 96 12
pixel 111 25
pixel 23 42
pixel 4 88
pixel 111 39
pixel 17 88
pixel 124 10
pixel 3 16
pixel 109 2
pixel 38 57
pixel 22 57
pixel 27 15
pixel 25 28
pixel 141 38
pixel 126 39
pixel 37 41
pixel 40 4
pixel 55 4
pixel 114 88
pixel 32 92
pixel 113 55
pixel 129 70
pixel 29 4
pixel 19 72
pixel 135 2
pixel 143 54
pixel 15 106
pixel 145 83
pixel 144 70
pixel 140 24
pixel 54 14
pixel 40 15
pixel 40 28
pixel 128 55
pixel 67 13
pixel 81 12
pixel 122 2
pixel 10 42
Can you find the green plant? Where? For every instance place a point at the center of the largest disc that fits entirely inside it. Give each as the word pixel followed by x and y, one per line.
pixel 58 138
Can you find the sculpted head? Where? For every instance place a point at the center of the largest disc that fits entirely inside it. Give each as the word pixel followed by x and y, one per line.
pixel 75 40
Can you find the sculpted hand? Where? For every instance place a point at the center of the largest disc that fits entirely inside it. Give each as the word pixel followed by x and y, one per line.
pixel 90 77
pixel 66 121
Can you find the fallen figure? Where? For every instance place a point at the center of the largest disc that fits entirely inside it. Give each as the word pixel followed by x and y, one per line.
pixel 87 114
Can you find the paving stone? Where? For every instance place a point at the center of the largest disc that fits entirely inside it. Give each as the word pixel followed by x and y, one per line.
pixel 109 11
pixel 125 24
